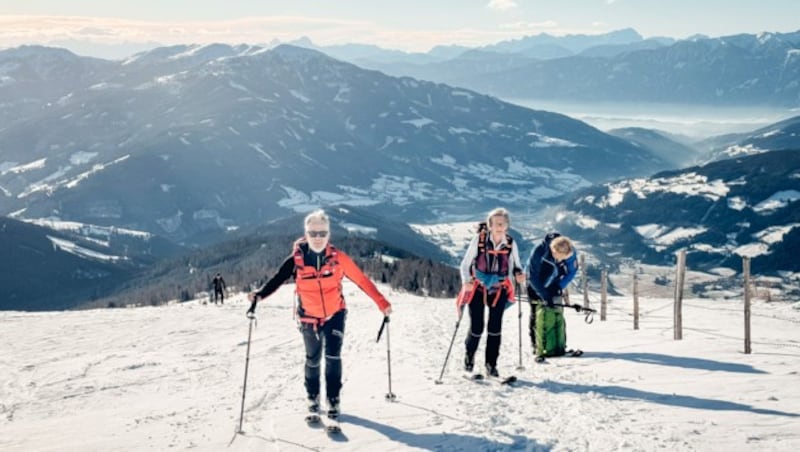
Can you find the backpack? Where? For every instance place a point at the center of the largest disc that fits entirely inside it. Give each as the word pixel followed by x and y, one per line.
pixel 483 236
pixel 550 330
pixel 482 261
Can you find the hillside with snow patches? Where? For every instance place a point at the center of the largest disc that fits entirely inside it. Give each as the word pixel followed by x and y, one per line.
pixel 719 212
pixel 170 377
pixel 779 136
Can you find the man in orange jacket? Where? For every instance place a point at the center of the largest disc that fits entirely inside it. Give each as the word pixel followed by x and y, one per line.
pixel 318 269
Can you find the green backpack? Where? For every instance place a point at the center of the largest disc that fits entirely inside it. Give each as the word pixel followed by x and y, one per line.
pixel 551 331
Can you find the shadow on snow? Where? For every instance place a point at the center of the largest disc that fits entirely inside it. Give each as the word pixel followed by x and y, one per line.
pixel 445 441
pixel 622 393
pixel 677 361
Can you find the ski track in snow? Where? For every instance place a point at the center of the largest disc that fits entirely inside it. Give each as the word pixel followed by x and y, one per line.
pixel 155 378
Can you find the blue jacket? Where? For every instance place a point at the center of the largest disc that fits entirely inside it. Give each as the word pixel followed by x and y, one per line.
pixel 546 276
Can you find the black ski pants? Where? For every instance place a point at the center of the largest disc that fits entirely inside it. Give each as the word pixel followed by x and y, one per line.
pixel 493 328
pixel 328 337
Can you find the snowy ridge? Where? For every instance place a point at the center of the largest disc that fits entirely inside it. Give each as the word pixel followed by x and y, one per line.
pixel 179 384
pixel 73 248
pixel 10 167
pixel 87 229
pixel 690 184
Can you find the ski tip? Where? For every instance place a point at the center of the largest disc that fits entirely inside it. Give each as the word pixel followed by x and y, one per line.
pixel 313 419
pixel 478 378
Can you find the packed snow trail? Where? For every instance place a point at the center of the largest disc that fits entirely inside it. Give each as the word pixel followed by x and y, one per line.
pixel 154 378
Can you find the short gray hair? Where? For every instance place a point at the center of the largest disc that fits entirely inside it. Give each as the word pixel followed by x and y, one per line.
pixel 317 215
pixel 498 212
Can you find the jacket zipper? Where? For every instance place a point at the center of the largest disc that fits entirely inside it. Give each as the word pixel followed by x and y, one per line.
pixel 319 284
pixel 553 272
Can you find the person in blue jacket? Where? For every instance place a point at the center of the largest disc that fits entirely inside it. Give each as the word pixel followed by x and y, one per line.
pixel 551 267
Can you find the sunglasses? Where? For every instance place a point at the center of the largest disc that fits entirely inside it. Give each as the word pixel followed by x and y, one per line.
pixel 317 233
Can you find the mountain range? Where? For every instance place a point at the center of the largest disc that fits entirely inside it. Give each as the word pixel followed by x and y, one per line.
pixel 116 165
pixel 744 69
pixel 189 142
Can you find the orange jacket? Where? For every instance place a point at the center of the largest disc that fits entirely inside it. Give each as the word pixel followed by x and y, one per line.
pixel 320 291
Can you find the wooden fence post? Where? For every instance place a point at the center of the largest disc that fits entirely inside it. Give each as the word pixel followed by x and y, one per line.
pixel 678 308
pixel 603 294
pixel 746 271
pixel 585 282
pixel 635 300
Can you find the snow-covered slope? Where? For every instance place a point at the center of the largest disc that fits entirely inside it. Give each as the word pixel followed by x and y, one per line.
pixel 160 378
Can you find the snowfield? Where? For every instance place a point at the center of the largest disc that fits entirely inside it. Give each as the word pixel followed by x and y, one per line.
pixel 170 378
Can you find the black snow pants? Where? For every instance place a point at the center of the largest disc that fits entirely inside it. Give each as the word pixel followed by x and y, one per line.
pixel 328 337
pixel 494 326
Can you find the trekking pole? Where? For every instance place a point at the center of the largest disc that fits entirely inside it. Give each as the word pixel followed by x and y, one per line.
pixel 449 349
pixel 589 318
pixel 389 395
pixel 252 317
pixel 519 324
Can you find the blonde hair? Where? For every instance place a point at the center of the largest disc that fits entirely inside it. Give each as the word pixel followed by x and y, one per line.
pixel 562 248
pixel 318 215
pixel 498 212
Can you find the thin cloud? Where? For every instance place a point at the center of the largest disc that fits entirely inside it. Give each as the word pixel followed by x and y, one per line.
pixel 524 26
pixel 18 30
pixel 502 5
pixel 52 30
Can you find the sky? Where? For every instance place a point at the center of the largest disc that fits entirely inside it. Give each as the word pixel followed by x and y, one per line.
pixel 409 25
pixel 171 378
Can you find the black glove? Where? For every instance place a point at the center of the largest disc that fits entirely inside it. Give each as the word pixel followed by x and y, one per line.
pixel 577 307
pixel 252 309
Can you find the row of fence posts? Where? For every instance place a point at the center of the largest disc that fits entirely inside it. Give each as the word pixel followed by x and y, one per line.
pixel 680 277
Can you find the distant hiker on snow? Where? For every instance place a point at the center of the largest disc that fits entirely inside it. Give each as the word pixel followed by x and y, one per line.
pixel 219 289
pixel 318 269
pixel 490 263
pixel 551 267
